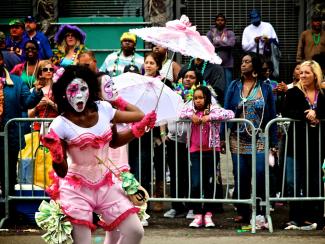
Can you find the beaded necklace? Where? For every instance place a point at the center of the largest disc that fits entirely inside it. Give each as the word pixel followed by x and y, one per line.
pixel 204 83
pixel 30 77
pixel 187 94
pixel 251 94
pixel 316 38
pixel 250 97
pixel 115 68
pixel 313 105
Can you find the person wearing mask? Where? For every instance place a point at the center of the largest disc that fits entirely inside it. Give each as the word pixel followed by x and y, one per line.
pixel 83 133
pixel 115 62
pixel 258 35
pixel 223 41
pixel 311 42
pixel 15 97
pixel 31 33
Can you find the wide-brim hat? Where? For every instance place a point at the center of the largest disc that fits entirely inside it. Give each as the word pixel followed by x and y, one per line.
pixel 64 29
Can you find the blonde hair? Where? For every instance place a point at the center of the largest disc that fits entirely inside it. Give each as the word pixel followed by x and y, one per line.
pixel 63 47
pixel 317 71
pixel 41 65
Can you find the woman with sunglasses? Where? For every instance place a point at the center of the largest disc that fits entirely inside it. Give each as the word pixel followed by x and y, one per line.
pixel 46 108
pixel 27 70
pixel 70 43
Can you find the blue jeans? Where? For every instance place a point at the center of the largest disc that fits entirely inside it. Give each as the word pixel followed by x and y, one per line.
pixel 208 175
pixel 245 177
pixel 228 78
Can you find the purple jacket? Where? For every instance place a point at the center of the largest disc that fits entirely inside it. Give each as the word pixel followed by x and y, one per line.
pixel 223 43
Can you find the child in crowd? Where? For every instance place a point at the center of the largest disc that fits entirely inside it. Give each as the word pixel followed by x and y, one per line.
pixel 204 139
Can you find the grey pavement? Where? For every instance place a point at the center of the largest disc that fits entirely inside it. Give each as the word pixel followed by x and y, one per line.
pixel 202 236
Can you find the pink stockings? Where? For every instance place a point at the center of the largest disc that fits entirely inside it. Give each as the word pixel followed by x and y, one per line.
pixel 130 231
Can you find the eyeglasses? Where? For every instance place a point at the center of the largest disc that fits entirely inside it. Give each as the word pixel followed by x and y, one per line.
pixel 48 69
pixel 30 49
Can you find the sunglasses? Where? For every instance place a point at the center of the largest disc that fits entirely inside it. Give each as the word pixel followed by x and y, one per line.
pixel 70 35
pixel 30 49
pixel 48 69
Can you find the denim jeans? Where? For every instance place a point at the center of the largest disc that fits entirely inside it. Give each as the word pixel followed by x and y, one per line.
pixel 208 174
pixel 228 77
pixel 245 178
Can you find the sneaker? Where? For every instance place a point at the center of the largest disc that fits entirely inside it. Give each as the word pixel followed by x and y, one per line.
pixel 208 220
pixel 260 222
pixel 197 222
pixel 190 214
pixel 171 213
pixel 144 223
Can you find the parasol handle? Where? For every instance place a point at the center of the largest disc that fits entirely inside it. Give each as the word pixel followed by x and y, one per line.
pixel 164 80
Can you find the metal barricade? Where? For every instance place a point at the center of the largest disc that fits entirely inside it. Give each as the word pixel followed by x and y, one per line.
pixel 34 193
pixel 180 126
pixel 302 192
pixel 183 126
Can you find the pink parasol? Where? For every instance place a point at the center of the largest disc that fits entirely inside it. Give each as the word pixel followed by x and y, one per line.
pixel 180 36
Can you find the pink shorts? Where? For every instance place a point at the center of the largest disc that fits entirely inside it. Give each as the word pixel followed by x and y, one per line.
pixel 109 201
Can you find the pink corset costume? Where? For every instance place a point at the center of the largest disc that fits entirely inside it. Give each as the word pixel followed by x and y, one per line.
pixel 89 186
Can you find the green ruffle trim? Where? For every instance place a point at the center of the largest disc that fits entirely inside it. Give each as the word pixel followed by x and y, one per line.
pixel 52 219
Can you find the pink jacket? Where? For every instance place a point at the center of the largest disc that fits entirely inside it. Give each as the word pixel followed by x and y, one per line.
pixel 216 113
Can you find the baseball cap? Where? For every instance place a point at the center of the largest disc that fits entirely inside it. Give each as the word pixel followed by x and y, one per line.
pixel 255 16
pixel 16 22
pixel 30 18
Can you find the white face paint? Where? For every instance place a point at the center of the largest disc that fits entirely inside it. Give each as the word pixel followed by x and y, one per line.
pixel 107 88
pixel 77 94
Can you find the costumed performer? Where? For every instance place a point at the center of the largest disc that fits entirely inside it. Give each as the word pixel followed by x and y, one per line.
pixel 82 132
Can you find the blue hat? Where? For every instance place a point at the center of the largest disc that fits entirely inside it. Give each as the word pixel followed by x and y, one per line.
pixel 30 18
pixel 255 16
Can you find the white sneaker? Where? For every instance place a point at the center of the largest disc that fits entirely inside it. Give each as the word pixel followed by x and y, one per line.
pixel 171 213
pixel 144 223
pixel 197 222
pixel 190 214
pixel 208 220
pixel 260 222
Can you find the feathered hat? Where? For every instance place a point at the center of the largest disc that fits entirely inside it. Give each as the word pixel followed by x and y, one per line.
pixel 64 29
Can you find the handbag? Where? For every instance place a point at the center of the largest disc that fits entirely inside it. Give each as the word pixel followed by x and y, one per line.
pixel 42 166
pixel 42 159
pixel 26 158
